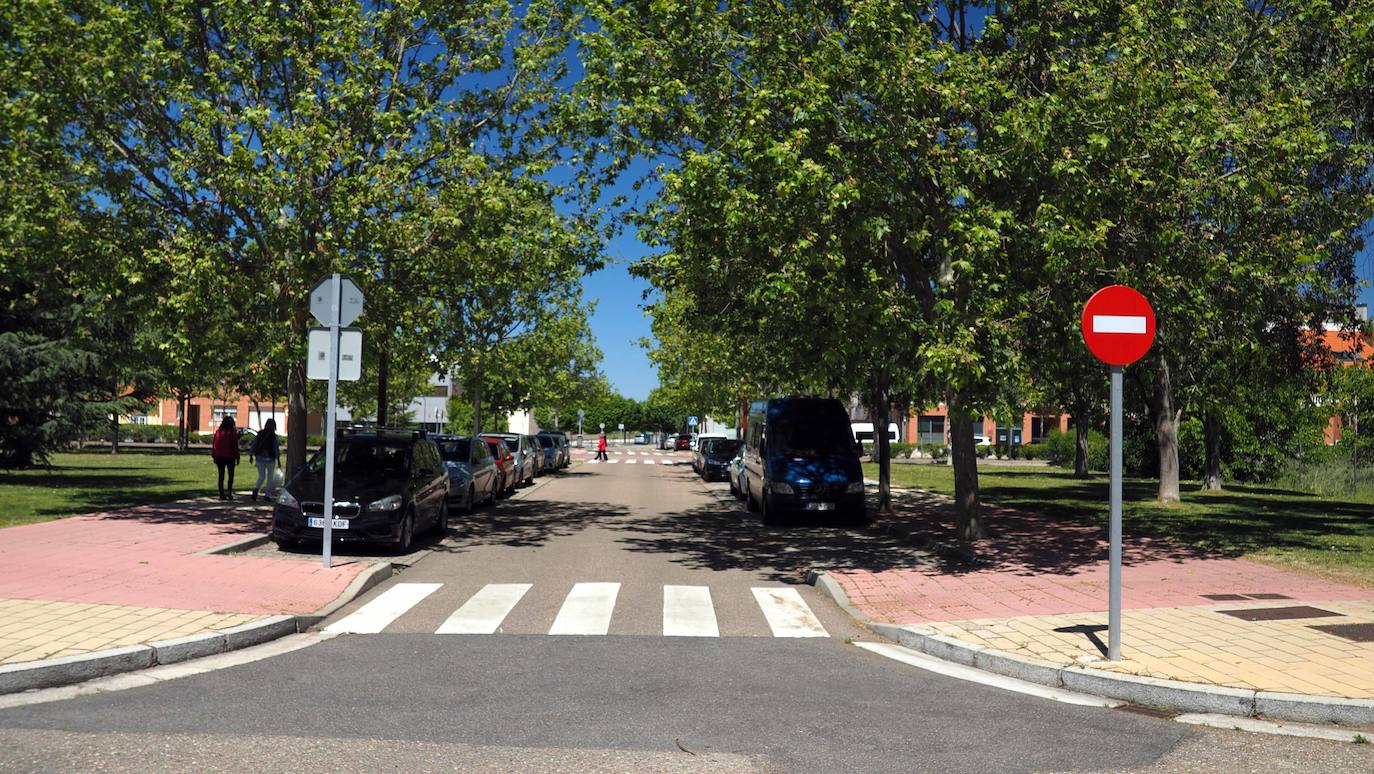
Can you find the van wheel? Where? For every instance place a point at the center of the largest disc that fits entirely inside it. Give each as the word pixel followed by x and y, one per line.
pixel 771 517
pixel 407 536
pixel 472 499
pixel 750 503
pixel 441 520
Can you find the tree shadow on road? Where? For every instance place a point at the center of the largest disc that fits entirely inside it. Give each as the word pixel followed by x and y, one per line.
pixel 523 523
pixel 725 537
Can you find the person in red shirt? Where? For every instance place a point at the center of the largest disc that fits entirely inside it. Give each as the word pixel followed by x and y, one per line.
pixel 601 448
pixel 225 452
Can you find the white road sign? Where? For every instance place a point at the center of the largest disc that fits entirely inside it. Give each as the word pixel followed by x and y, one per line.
pixel 350 354
pixel 336 306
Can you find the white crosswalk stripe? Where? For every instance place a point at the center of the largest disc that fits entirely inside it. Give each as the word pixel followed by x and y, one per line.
pixel 387 607
pixel 631 462
pixel 484 612
pixel 648 462
pixel 787 613
pixel 587 609
pixel 609 461
pixel 688 612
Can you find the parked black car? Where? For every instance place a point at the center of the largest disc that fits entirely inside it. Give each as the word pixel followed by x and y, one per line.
pixel 716 454
pixel 388 484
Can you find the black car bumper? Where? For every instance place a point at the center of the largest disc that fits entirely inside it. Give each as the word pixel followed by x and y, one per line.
pixel 714 470
pixel 290 524
pixel 817 503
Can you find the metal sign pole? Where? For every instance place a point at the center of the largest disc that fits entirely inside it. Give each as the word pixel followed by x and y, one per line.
pixel 1114 578
pixel 330 450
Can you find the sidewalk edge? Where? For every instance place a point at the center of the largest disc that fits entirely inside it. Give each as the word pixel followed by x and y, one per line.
pixel 1171 695
pixel 362 582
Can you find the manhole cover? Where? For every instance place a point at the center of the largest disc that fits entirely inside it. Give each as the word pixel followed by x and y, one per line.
pixel 1361 632
pixel 1279 613
pixel 1224 597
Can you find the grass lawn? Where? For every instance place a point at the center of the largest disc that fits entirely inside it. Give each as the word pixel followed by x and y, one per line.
pixel 82 482
pixel 1328 536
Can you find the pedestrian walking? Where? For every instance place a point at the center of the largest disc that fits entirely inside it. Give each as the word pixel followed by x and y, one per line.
pixel 266 451
pixel 601 448
pixel 225 452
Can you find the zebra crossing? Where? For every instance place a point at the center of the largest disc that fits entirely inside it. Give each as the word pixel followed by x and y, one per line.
pixel 630 457
pixel 587 609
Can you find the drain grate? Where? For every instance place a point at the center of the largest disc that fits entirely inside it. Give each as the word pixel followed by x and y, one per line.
pixel 1268 596
pixel 1225 597
pixel 1279 613
pixel 1360 632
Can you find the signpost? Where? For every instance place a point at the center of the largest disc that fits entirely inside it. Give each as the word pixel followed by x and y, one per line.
pixel 691 421
pixel 580 415
pixel 335 301
pixel 1118 326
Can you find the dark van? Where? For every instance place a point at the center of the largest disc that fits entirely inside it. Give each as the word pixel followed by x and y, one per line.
pixel 800 457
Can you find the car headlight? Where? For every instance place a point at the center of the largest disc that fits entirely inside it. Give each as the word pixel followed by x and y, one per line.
pixel 856 487
pixel 287 500
pixel 391 503
pixel 780 487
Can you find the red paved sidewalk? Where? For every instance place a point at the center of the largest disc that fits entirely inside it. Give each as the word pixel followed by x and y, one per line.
pixel 1040 566
pixel 149 557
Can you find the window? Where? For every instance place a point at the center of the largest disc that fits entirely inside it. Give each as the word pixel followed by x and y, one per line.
pixel 1005 432
pixel 220 412
pixel 138 419
pixel 1041 427
pixel 930 429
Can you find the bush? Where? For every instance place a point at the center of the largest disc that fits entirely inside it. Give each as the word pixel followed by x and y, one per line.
pixel 1035 451
pixel 899 451
pixel 1060 448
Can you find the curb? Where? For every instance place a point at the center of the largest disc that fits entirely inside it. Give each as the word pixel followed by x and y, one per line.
pixel 243 544
pixel 1174 695
pixel 54 672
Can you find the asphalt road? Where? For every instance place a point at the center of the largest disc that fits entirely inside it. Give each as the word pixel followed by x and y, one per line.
pixel 633 699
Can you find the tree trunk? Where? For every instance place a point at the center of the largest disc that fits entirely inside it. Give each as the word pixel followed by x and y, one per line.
pixel 476 405
pixel 295 401
pixel 383 380
pixel 880 407
pixel 968 518
pixel 114 432
pixel 1211 429
pixel 1166 419
pixel 1081 427
pixel 182 407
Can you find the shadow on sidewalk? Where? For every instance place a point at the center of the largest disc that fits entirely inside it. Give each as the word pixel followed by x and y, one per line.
pixel 232 518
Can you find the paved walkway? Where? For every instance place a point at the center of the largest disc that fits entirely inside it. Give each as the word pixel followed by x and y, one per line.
pixel 142 574
pixel 1039 588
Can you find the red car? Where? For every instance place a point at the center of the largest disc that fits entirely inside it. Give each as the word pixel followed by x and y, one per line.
pixel 682 443
pixel 505 465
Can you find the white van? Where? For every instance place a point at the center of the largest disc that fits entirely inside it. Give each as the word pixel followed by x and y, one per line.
pixel 863 432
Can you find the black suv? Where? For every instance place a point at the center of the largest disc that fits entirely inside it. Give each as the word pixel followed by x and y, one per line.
pixel 387 485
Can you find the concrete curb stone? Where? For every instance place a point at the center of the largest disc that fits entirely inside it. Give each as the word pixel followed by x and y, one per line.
pixel 258 632
pixel 73 669
pixel 1171 695
pixel 189 647
pixel 362 582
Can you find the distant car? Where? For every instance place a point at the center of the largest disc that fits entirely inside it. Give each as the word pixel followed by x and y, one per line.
pixel 550 447
pixel 246 437
pixel 682 443
pixel 981 440
pixel 388 485
pixel 715 457
pixel 526 458
pixel 735 470
pixel 564 449
pixel 666 442
pixel 471 471
pixel 641 439
pixel 505 462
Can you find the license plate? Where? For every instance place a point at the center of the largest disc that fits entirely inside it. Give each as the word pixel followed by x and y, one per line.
pixel 818 506
pixel 318 523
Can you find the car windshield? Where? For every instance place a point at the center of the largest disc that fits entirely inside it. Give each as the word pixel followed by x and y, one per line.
pixel 456 451
pixel 805 429
pixel 722 448
pixel 546 442
pixel 512 444
pixel 374 458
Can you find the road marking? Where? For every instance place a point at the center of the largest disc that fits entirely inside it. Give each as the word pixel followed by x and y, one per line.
pixel 687 612
pixel 1115 323
pixel 961 672
pixel 587 609
pixel 648 462
pixel 484 612
pixel 387 607
pixel 787 614
pixel 631 462
pixel 612 462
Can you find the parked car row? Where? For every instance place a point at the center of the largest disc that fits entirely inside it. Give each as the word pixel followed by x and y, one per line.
pixel 390 485
pixel 712 455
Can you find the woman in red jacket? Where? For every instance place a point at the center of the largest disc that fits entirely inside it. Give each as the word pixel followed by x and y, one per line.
pixel 601 447
pixel 225 452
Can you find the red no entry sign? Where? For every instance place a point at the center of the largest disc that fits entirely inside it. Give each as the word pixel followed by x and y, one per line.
pixel 1118 325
